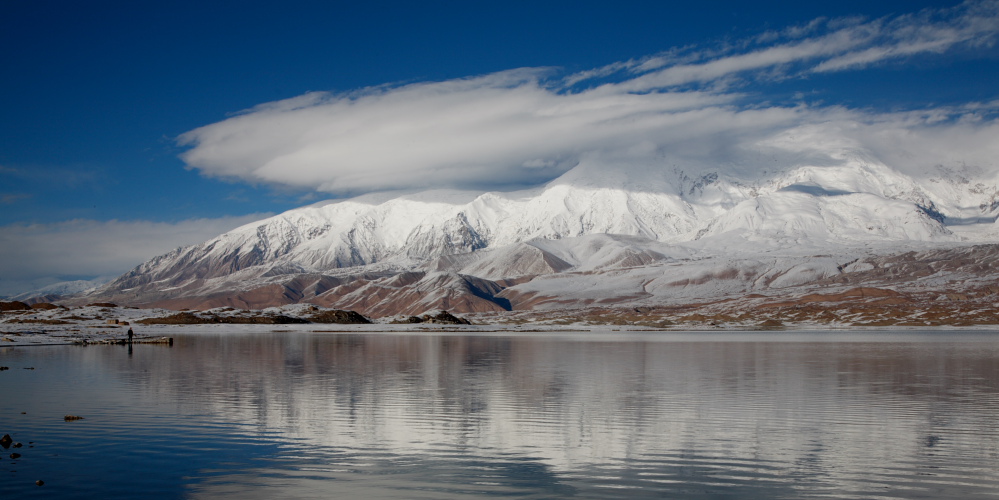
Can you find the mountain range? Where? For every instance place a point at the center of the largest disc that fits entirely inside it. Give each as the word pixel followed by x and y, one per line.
pixel 602 235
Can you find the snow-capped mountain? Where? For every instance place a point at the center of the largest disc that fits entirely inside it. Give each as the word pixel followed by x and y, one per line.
pixel 62 288
pixel 607 228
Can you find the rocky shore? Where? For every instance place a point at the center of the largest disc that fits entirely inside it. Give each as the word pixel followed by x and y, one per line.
pixel 108 323
pixel 860 308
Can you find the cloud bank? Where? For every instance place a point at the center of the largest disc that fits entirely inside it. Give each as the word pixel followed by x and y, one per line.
pixel 36 255
pixel 526 126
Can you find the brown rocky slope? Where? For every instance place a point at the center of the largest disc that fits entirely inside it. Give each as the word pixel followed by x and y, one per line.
pixel 953 285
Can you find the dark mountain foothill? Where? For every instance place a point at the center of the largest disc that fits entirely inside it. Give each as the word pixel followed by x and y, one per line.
pixel 189 318
pixel 339 317
pixel 44 306
pixel 245 317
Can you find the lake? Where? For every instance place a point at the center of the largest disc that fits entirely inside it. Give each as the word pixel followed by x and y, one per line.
pixel 588 415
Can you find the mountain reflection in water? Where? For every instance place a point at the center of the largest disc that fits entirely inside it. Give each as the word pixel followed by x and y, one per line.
pixel 764 416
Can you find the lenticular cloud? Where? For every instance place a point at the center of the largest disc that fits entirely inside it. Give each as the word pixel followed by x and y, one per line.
pixel 482 131
pixel 526 126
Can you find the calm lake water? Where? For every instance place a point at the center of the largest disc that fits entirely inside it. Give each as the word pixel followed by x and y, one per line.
pixel 308 415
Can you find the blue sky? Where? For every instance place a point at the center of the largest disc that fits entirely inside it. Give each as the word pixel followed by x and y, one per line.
pixel 118 115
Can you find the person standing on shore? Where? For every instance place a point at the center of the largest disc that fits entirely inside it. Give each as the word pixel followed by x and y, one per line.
pixel 130 335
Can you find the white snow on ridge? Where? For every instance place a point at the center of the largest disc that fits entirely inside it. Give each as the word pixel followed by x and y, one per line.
pixel 63 288
pixel 611 216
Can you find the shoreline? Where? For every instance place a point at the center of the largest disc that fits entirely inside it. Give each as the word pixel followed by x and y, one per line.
pixel 162 335
pixel 107 323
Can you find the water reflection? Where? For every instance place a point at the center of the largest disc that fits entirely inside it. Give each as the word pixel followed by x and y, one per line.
pixel 841 419
pixel 411 416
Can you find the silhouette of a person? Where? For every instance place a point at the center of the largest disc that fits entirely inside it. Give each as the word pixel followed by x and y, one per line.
pixel 130 335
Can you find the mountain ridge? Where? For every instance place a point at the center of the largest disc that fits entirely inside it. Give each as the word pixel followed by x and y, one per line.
pixel 482 251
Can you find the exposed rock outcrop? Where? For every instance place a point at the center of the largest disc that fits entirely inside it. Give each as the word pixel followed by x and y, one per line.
pixel 441 318
pixel 339 317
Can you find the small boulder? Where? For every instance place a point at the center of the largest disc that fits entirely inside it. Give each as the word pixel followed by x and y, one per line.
pixel 70 418
pixel 5 441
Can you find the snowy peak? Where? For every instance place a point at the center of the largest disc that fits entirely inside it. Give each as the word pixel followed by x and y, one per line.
pixel 793 215
pixel 594 219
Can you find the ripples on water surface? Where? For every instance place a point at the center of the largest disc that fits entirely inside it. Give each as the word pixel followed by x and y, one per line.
pixel 591 416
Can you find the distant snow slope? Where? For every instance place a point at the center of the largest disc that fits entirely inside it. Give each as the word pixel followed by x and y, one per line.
pixel 63 288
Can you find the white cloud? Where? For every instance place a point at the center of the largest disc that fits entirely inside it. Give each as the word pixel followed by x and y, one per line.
pixel 847 44
pixel 973 24
pixel 484 130
pixel 918 144
pixel 39 254
pixel 528 125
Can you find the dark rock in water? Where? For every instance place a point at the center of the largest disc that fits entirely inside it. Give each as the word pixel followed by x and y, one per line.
pixel 18 445
pixel 69 418
pixel 5 441
pixel 339 317
pixel 2 368
pixel 40 482
pixel 15 456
